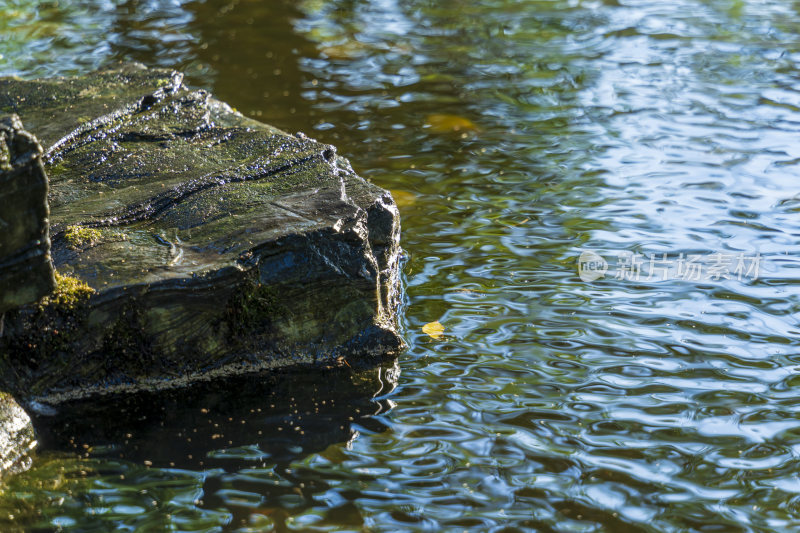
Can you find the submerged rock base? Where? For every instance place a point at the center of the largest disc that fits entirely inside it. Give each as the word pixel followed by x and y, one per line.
pixel 283 414
pixel 191 242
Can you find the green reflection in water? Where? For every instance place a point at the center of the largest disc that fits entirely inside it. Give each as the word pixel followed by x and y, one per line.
pixel 549 403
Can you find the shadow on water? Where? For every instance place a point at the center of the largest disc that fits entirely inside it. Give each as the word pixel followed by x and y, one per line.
pixel 280 417
pixel 230 444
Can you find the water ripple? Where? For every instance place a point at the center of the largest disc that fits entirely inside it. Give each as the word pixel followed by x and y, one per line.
pixel 549 403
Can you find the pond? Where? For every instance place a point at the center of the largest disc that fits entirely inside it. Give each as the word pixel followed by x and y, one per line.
pixel 648 388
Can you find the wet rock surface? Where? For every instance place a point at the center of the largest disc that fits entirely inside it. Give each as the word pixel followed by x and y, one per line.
pixel 191 242
pixel 17 437
pixel 26 273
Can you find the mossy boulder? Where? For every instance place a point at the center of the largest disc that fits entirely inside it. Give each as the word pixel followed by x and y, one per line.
pixel 192 242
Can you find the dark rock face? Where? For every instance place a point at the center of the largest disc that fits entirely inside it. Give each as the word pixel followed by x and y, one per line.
pixel 193 242
pixel 26 273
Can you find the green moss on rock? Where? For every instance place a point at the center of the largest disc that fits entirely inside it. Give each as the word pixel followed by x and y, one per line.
pixel 69 292
pixel 78 236
pixel 255 305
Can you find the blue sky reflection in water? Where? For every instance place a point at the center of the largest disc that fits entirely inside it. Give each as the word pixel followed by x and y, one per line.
pixel 549 403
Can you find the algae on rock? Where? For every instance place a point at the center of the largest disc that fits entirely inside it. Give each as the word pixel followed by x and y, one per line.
pixel 77 236
pixel 68 293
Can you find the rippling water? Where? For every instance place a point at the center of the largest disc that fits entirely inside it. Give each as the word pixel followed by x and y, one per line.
pixel 638 401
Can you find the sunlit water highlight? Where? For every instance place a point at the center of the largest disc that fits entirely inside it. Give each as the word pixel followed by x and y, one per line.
pixel 515 135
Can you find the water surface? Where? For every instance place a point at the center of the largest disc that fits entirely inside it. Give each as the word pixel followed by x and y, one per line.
pixel 515 135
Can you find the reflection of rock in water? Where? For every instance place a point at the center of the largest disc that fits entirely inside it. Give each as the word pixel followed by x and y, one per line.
pixel 241 421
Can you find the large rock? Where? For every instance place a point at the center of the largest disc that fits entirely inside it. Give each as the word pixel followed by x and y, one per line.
pixel 26 273
pixel 192 242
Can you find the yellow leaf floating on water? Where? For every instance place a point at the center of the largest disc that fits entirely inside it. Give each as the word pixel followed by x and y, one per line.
pixel 403 198
pixel 354 49
pixel 442 123
pixel 434 329
pixel 348 50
